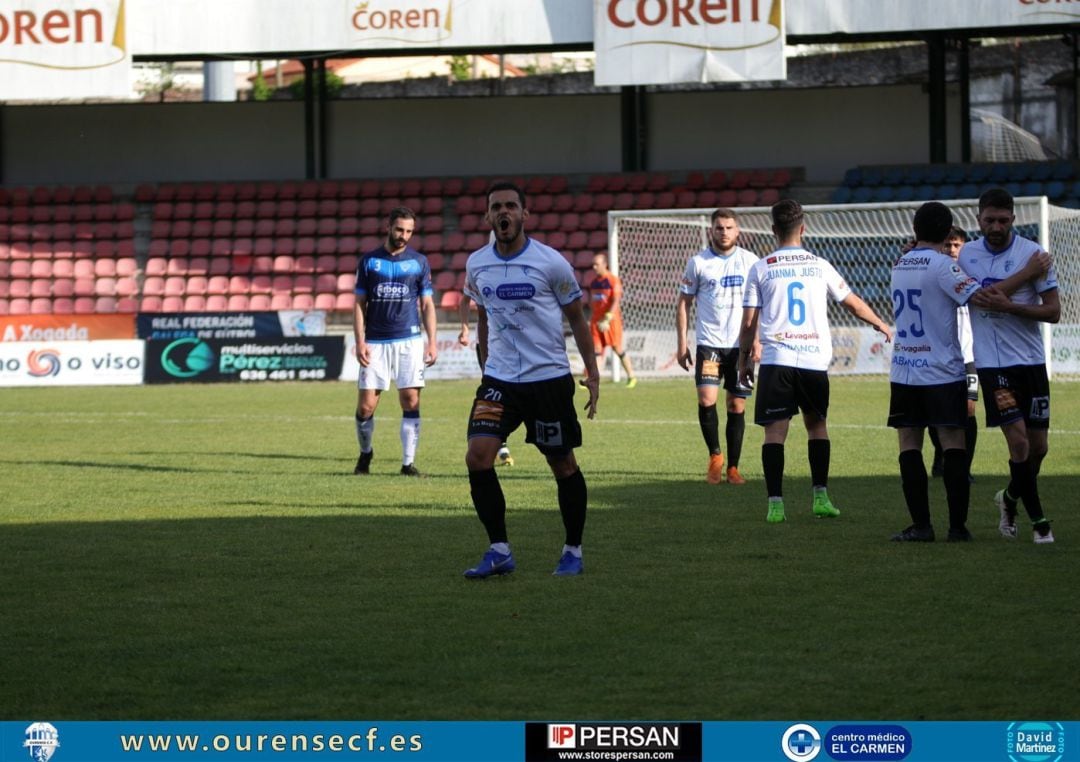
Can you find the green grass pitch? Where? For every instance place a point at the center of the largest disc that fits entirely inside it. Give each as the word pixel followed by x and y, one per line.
pixel 204 552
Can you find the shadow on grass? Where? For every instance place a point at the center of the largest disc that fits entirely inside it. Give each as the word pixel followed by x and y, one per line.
pixel 690 608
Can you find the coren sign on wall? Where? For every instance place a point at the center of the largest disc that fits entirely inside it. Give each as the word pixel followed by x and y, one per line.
pixel 63 49
pixel 647 42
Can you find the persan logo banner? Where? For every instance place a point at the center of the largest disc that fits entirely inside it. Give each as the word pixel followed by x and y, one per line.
pixel 63 49
pixel 654 42
pixel 548 742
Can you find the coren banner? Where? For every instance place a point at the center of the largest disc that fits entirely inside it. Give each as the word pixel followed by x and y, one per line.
pixel 653 42
pixel 63 49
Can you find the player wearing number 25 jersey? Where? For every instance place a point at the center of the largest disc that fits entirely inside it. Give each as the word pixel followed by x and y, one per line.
pixel 786 305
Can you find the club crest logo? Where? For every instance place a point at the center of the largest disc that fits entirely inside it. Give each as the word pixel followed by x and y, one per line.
pixel 42 741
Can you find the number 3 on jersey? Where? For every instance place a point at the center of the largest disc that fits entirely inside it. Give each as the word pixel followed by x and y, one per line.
pixel 908 300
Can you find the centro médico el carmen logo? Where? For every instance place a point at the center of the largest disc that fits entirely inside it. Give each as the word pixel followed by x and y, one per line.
pixel 801 743
pixel 1035 741
pixel 416 22
pixel 43 362
pixel 42 739
pixel 187 357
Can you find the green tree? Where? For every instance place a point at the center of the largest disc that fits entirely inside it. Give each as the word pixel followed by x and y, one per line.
pixel 334 85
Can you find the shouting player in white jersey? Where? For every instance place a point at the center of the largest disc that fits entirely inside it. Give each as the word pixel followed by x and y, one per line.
pixel 786 306
pixel 716 277
pixel 1009 355
pixel 522 290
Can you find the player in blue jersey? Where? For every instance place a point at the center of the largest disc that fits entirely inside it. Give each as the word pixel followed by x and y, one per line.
pixel 785 305
pixel 1009 354
pixel 523 290
pixel 715 277
pixel 394 305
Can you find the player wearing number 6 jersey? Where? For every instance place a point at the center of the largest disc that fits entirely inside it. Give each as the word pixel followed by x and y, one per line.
pixel 786 306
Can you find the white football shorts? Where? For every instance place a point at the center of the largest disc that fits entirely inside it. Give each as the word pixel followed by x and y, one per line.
pixel 400 362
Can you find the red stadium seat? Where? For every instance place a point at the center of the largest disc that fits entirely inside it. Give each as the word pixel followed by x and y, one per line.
pixel 150 304
pixel 260 284
pixel 326 283
pixel 238 303
pixel 84 305
pixel 281 302
pixel 345 302
pixel 325 302
pixel 196 285
pixel 172 304
pixel 217 303
pixel 346 282
pixel 174 286
pixel 194 303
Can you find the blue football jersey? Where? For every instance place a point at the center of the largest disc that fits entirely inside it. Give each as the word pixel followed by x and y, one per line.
pixel 393 285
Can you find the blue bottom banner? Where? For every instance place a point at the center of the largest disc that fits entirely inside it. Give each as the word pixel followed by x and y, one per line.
pixel 622 741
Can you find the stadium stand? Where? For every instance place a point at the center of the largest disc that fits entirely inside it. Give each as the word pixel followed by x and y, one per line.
pixel 1058 180
pixel 295 244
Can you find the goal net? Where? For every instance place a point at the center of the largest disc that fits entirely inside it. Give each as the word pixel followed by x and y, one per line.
pixel 649 251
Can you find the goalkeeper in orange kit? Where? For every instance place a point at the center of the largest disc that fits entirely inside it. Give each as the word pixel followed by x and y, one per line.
pixel 606 319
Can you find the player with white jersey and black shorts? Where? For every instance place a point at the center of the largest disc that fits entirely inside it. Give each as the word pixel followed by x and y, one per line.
pixel 1009 354
pixel 786 307
pixel 928 383
pixel 393 291
pixel 715 277
pixel 522 290
pixel 955 241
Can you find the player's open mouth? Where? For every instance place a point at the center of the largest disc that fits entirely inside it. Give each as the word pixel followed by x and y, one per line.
pixel 504 224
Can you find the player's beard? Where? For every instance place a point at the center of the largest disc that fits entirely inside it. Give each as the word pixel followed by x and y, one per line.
pixel 997 240
pixel 396 244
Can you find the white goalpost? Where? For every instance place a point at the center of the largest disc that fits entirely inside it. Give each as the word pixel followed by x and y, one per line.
pixel 649 251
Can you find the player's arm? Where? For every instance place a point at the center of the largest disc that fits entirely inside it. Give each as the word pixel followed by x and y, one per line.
pixel 993 299
pixel 682 324
pixel 463 316
pixel 575 315
pixel 748 337
pixel 481 335
pixel 854 304
pixel 431 322
pixel 363 352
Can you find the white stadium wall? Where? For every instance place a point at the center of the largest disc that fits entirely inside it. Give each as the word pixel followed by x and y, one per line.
pixel 826 131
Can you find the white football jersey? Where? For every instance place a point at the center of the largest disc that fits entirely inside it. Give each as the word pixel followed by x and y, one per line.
pixel 926 288
pixel 792 286
pixel 717 281
pixel 963 327
pixel 523 296
pixel 1002 340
